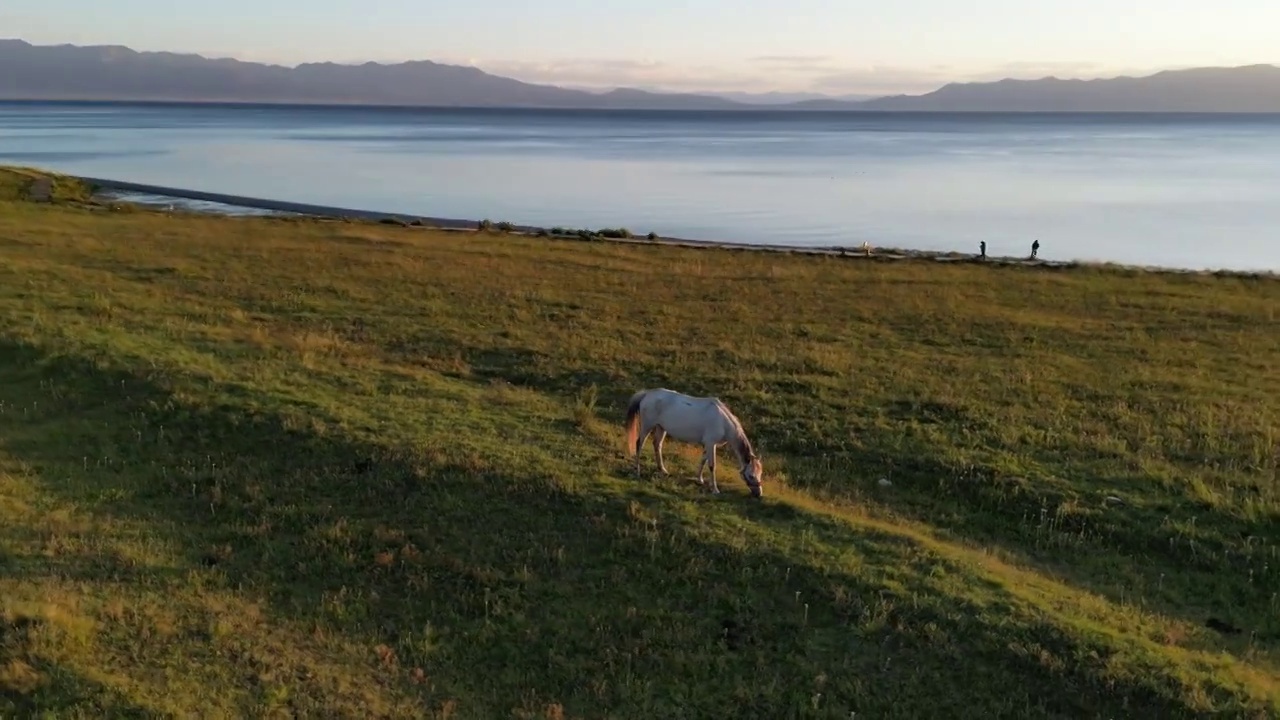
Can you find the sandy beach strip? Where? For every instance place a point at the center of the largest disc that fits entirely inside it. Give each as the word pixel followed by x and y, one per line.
pixel 889 254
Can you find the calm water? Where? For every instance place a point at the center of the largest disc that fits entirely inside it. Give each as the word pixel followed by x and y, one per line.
pixel 1186 191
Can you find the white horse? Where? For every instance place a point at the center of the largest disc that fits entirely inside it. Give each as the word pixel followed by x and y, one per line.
pixel 702 420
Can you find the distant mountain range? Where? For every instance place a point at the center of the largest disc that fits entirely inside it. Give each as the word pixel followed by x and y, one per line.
pixel 69 72
pixel 1245 89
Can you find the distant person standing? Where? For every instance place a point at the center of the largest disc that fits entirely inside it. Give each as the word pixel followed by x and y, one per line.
pixel 1035 248
pixel 982 246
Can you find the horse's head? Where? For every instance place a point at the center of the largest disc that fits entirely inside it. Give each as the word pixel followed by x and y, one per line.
pixel 753 476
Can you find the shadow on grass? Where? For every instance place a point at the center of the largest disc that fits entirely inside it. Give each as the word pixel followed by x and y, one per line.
pixel 1192 562
pixel 529 369
pixel 31 686
pixel 65 693
pixel 511 593
pixel 98 569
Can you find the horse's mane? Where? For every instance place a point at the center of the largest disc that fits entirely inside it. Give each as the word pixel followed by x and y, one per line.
pixel 741 444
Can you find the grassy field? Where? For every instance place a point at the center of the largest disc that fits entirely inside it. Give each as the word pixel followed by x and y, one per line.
pixel 301 468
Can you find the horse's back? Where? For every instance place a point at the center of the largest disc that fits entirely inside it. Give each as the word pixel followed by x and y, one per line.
pixel 669 394
pixel 686 417
pixel 667 398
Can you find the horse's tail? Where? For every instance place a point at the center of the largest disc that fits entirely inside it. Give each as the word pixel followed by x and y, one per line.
pixel 633 420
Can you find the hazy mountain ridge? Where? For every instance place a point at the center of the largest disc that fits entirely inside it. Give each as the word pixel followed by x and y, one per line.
pixel 69 72
pixel 1250 88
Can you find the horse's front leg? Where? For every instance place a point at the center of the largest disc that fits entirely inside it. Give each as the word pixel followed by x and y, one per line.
pixel 711 461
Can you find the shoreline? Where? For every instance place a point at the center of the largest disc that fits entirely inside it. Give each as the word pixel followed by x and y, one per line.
pixel 284 208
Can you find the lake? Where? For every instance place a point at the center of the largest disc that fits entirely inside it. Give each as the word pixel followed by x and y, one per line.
pixel 1190 191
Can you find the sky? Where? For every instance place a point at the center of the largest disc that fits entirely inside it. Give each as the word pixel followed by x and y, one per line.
pixel 821 46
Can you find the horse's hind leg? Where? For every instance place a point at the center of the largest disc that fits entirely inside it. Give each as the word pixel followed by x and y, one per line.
pixel 659 437
pixel 645 429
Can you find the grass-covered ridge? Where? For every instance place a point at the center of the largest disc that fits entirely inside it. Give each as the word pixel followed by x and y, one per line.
pixel 318 469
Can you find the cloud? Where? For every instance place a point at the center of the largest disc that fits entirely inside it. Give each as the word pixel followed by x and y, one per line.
pixel 791 59
pixel 786 73
pixel 881 80
pixel 781 73
pixel 611 73
pixel 795 63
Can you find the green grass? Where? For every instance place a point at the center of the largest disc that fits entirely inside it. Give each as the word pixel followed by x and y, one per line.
pixel 297 468
pixel 16 182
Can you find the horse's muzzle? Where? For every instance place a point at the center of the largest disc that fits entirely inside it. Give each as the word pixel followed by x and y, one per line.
pixel 757 492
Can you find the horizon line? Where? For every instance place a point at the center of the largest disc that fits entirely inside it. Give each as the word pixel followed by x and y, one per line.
pixel 746 109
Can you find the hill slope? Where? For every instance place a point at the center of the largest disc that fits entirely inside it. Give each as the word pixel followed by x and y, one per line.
pixel 68 72
pixel 254 467
pixel 1253 88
